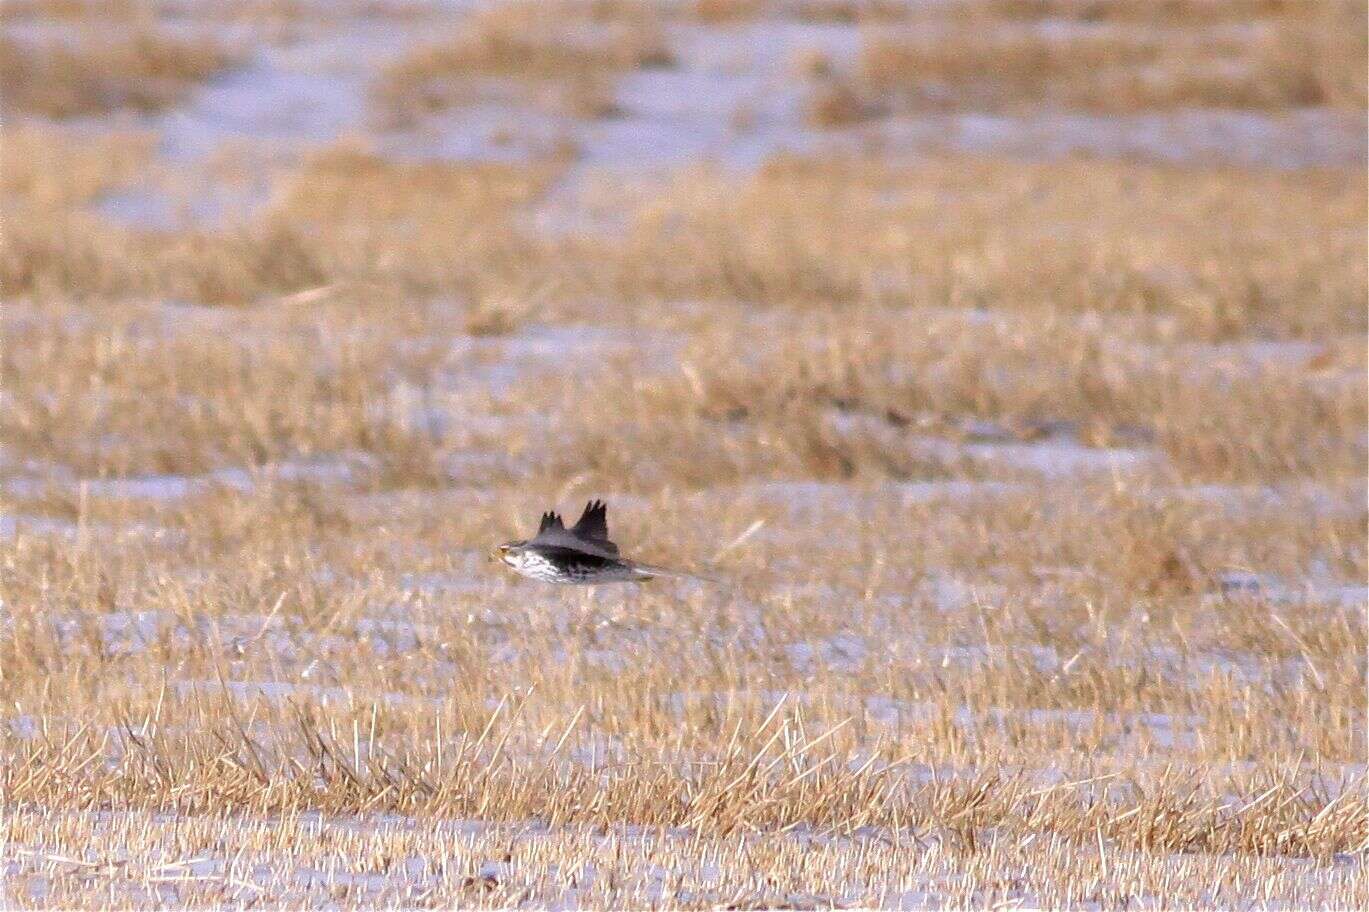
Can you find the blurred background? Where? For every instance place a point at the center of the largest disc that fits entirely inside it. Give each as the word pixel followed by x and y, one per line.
pixel 233 96
pixel 1006 357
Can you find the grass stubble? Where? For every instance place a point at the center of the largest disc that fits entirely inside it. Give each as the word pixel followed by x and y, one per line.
pixel 136 67
pixel 939 671
pixel 562 57
pixel 1110 59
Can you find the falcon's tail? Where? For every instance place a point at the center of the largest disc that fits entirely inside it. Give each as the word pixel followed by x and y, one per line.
pixel 651 571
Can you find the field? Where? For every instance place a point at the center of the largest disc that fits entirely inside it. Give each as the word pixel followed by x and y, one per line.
pixel 1004 359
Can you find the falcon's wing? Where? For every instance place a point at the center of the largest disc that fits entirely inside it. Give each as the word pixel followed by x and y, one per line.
pixel 593 526
pixel 553 532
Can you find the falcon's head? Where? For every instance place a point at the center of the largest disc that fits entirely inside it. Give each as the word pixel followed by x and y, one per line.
pixel 509 551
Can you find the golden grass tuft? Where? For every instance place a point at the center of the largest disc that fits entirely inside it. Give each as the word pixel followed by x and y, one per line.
pixel 144 69
pixel 1300 56
pixel 46 170
pixel 724 11
pixel 836 103
pixel 328 227
pixel 563 57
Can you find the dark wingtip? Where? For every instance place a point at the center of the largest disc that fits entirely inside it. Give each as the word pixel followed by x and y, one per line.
pixel 593 523
pixel 550 520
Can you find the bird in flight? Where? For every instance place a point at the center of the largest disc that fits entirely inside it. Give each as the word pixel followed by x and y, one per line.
pixel 582 554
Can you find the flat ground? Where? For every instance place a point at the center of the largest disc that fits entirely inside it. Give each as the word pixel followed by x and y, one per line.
pixel 1005 359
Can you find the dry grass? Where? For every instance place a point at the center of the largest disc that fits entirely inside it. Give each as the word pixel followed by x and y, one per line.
pixel 1169 12
pixel 113 10
pixel 259 12
pixel 723 12
pixel 1282 259
pixel 46 171
pixel 563 57
pixel 1307 54
pixel 1037 491
pixel 339 224
pixel 857 394
pixel 1130 284
pixel 141 68
pixel 837 103
pixel 428 864
pixel 1084 725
